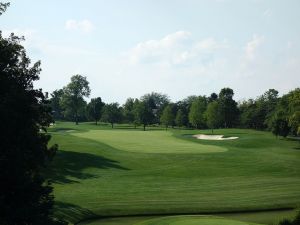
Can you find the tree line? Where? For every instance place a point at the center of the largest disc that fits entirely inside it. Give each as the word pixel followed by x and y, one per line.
pixel 281 115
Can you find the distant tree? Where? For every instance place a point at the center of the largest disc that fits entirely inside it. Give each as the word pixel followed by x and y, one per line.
pixel 112 114
pixel 144 114
pixel 181 118
pixel 269 103
pixel 280 124
pixel 136 120
pixel 196 114
pixel 55 103
pixel 157 102
pixel 167 118
pixel 184 106
pixel 128 111
pixel 74 93
pixel 212 97
pixel 25 195
pixel 248 114
pixel 294 122
pixel 285 118
pixel 212 115
pixel 94 109
pixel 228 107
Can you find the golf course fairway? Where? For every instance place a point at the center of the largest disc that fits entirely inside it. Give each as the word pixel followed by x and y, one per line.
pixel 103 172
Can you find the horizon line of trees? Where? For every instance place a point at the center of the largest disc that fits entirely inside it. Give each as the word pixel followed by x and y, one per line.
pixel 281 115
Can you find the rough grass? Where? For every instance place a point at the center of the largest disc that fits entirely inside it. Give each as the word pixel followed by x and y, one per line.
pixel 96 174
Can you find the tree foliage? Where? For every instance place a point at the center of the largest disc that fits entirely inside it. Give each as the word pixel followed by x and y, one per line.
pixel 196 114
pixel 55 103
pixel 94 109
pixel 228 108
pixel 157 102
pixel 3 7
pixel 181 118
pixel 25 196
pixel 128 111
pixel 212 114
pixel 167 118
pixel 144 114
pixel 112 114
pixel 73 97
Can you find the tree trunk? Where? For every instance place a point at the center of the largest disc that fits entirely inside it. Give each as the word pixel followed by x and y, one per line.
pixel 166 127
pixel 96 122
pixel 144 127
pixel 112 125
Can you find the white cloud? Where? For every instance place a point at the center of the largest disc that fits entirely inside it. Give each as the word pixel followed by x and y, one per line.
pixel 252 46
pixel 83 25
pixel 177 48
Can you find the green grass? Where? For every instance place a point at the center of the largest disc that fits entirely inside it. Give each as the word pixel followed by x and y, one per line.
pixel 192 220
pixel 103 172
pixel 147 142
pixel 263 217
pixel 178 220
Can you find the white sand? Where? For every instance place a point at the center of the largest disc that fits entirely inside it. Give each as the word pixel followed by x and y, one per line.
pixel 213 137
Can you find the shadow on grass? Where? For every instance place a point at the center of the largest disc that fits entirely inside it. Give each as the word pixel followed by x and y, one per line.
pixel 72 213
pixel 68 166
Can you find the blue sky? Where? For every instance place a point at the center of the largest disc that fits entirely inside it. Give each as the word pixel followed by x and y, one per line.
pixel 181 48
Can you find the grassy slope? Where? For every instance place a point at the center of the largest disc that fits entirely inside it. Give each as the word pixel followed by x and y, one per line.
pixel 96 177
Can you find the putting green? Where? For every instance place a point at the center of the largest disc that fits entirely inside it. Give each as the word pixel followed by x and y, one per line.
pixel 147 142
pixel 193 220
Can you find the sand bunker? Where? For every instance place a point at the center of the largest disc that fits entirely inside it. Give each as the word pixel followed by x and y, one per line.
pixel 213 137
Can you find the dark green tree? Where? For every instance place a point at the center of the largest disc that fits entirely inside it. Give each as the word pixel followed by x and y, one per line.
pixel 112 114
pixel 213 97
pixel 128 111
pixel 167 118
pixel 25 195
pixel 212 114
pixel 197 110
pixel 181 118
pixel 157 102
pixel 228 108
pixel 73 97
pixel 136 120
pixel 294 122
pixel 144 114
pixel 55 103
pixel 94 109
pixel 280 124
